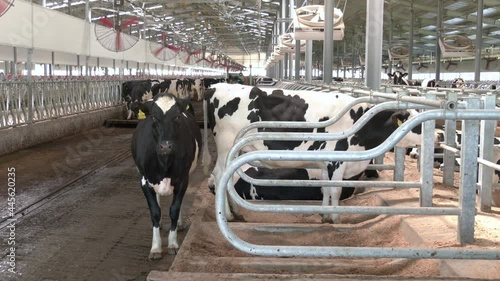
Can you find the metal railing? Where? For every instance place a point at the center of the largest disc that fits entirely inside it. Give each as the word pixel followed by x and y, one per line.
pixel 470 110
pixel 24 101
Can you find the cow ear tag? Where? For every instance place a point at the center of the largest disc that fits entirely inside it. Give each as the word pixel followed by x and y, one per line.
pixel 141 115
pixel 400 122
pixel 187 107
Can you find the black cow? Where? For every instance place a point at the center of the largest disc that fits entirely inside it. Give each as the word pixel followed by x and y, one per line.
pixel 165 148
pixel 136 92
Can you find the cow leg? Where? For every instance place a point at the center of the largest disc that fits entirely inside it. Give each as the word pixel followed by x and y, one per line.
pixel 371 174
pixel 159 205
pixel 332 194
pixel 129 114
pixel 175 210
pixel 154 209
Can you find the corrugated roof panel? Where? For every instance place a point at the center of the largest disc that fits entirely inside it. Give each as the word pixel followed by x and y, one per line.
pixel 457 5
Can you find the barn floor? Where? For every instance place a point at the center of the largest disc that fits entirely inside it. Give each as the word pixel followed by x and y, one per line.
pixel 85 218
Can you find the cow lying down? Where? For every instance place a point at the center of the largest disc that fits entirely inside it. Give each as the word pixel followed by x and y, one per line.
pixel 165 148
pixel 232 107
pixel 256 192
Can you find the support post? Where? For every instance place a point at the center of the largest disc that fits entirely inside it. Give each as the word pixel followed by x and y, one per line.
pixel 399 163
pixel 308 62
pixel 410 43
pixel 439 27
pixel 328 42
pixel 468 176
pixel 487 136
pixel 374 39
pixel 13 66
pixel 449 156
pixel 479 42
pixel 29 68
pixel 427 160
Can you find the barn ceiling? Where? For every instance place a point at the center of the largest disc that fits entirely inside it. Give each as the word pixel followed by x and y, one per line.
pixel 242 27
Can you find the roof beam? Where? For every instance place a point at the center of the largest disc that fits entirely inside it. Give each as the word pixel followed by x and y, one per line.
pixel 455 14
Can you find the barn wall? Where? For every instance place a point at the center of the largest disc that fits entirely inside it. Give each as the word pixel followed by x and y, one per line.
pixel 32 26
pixel 22 137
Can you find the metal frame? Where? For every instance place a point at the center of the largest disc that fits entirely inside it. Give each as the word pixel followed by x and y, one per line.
pixel 54 98
pixel 465 212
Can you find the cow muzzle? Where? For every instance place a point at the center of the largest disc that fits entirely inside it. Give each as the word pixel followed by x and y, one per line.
pixel 166 147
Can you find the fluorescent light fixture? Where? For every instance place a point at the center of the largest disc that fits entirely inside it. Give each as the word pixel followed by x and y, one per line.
pixel 154 7
pixel 454 21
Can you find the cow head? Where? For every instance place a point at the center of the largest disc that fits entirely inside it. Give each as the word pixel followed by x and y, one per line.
pixel 458 83
pixel 397 77
pixel 166 113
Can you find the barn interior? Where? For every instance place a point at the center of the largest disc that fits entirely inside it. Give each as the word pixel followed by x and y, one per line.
pixel 65 140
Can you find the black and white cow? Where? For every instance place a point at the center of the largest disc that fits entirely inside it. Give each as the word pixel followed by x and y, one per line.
pixel 136 92
pixel 232 107
pixel 165 148
pixel 458 83
pixel 399 79
pixel 197 89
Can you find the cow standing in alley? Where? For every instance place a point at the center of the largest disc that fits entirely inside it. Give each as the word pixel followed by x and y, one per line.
pixel 232 107
pixel 165 148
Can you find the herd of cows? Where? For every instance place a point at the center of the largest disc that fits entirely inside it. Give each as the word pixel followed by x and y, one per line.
pixel 166 145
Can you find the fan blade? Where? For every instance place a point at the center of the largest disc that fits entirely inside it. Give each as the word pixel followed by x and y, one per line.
pixel 4 6
pixel 118 43
pixel 129 22
pixel 316 18
pixel 173 48
pixel 107 22
pixel 158 51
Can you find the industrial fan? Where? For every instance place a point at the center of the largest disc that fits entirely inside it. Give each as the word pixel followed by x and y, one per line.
pixel 189 57
pixel 361 57
pixel 400 65
pixel 422 67
pixel 214 60
pixel 164 51
pixel 309 23
pixel 287 43
pixel 398 52
pixel 456 46
pixel 5 6
pixel 111 36
pixel 488 61
pixel 450 65
pixel 205 60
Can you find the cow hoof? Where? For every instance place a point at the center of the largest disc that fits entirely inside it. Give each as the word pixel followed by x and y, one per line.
pixel 172 251
pixel 326 219
pixel 329 219
pixel 154 256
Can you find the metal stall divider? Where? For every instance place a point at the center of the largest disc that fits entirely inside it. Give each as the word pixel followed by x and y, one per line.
pixel 349 156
